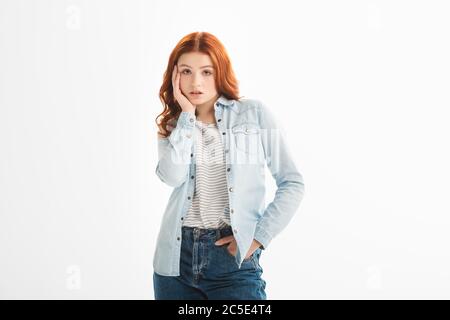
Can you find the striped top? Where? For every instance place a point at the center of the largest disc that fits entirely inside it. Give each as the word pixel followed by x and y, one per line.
pixel 210 207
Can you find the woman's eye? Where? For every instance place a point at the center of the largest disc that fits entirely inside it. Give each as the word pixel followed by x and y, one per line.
pixel 206 71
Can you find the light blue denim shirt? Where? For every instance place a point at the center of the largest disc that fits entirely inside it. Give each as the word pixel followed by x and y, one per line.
pixel 251 138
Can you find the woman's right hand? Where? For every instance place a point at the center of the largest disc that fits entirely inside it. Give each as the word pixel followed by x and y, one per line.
pixel 185 104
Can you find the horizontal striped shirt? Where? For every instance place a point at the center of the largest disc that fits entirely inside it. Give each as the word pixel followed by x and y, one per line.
pixel 210 204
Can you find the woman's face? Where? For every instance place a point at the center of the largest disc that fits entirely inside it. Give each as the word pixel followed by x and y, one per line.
pixel 197 74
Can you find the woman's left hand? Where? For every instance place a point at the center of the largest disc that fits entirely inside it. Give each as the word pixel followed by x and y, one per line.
pixel 232 247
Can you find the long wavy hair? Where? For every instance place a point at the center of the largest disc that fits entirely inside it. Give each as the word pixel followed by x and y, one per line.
pixel 225 80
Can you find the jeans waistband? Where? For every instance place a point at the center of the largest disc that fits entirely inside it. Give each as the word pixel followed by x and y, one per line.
pixel 207 233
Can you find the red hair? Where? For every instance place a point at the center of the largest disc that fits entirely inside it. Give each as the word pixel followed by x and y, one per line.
pixel 225 80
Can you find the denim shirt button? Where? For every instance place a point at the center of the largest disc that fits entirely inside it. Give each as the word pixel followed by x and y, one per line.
pixel 231 189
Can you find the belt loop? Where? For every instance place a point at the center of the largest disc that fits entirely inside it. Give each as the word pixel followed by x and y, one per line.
pixel 218 235
pixel 222 232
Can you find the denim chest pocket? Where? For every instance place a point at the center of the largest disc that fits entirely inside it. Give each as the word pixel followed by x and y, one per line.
pixel 247 137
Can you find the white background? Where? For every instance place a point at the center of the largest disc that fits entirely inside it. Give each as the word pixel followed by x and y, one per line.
pixel 360 87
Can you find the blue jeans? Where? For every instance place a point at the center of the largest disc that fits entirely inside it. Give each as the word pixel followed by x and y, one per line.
pixel 208 271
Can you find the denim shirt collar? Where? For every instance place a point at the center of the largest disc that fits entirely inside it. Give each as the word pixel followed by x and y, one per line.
pixel 226 103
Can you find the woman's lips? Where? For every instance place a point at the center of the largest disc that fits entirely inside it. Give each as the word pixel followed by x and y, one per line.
pixel 196 94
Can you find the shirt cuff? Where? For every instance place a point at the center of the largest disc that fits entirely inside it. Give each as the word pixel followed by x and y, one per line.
pixel 262 237
pixel 186 119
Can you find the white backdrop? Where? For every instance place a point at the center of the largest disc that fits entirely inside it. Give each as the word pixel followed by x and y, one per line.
pixel 360 87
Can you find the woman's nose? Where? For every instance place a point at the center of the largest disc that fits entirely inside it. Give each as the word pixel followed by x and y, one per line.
pixel 196 80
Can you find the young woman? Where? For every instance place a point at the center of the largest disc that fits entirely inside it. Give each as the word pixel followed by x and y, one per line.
pixel 212 149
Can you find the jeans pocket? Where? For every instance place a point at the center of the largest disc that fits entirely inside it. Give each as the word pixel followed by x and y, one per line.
pixel 250 261
pixel 225 247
